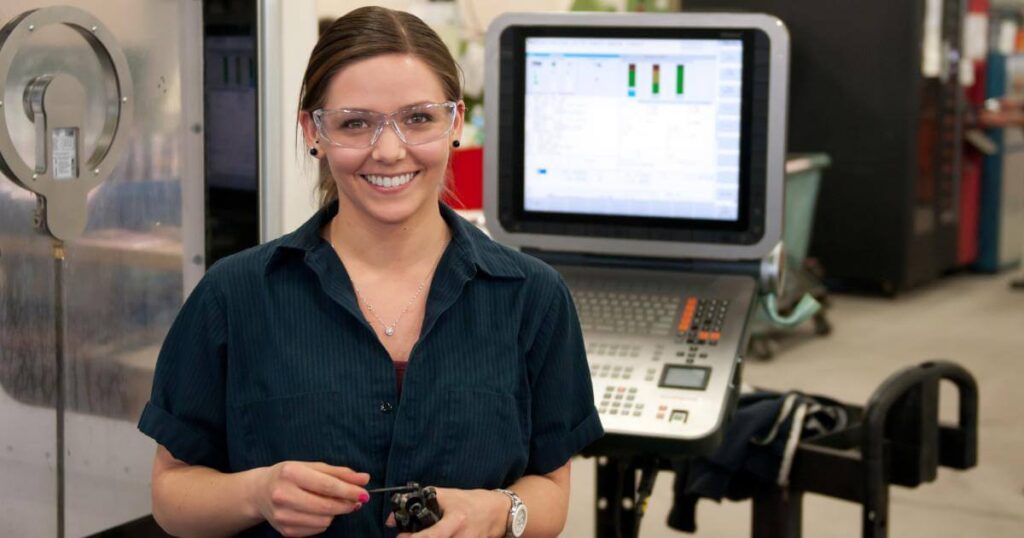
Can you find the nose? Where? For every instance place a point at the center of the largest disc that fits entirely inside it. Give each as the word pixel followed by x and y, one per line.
pixel 389 147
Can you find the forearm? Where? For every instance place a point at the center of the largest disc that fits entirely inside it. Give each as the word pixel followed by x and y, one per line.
pixel 199 501
pixel 547 501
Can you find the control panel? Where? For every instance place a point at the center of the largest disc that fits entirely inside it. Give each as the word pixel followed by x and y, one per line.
pixel 663 347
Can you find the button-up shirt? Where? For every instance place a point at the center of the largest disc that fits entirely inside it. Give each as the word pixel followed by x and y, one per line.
pixel 271 359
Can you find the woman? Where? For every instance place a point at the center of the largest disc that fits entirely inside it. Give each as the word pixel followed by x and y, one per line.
pixel 384 341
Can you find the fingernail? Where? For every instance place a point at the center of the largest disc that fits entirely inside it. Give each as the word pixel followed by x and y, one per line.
pixel 364 497
pixel 359 506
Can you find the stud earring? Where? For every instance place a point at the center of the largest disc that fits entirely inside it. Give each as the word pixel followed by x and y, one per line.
pixel 313 151
pixel 456 143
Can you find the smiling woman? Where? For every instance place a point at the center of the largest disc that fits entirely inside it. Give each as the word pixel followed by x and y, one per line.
pixel 387 117
pixel 372 33
pixel 385 341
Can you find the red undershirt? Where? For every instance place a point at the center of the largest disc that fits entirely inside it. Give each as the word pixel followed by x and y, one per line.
pixel 400 373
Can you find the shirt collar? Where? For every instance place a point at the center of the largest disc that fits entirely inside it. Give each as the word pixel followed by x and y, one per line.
pixel 472 244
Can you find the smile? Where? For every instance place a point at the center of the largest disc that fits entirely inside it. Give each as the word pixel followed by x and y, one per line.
pixel 388 182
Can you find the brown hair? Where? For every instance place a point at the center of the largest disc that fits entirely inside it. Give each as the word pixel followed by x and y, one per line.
pixel 362 34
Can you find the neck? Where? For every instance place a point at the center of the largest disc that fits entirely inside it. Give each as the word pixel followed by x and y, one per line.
pixel 388 245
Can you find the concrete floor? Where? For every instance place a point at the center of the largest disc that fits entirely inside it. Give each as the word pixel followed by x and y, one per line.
pixel 974 320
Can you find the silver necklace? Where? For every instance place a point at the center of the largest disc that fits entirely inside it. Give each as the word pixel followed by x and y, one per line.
pixel 389 330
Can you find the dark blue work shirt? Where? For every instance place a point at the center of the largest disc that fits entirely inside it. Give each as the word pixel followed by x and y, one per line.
pixel 270 359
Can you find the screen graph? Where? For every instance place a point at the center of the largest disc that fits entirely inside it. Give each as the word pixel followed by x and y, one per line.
pixel 633 127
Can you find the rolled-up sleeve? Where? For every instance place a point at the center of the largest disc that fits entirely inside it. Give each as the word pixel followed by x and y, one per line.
pixel 186 410
pixel 564 417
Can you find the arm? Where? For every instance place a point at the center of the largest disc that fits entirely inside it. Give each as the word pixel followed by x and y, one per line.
pixel 297 498
pixel 547 502
pixel 192 500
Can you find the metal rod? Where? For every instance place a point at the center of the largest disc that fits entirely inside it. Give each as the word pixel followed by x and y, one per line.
pixel 393 489
pixel 58 308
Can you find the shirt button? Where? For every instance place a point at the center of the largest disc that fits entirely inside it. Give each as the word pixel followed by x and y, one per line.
pixel 385 407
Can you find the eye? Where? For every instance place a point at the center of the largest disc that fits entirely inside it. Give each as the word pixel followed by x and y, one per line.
pixel 419 117
pixel 353 123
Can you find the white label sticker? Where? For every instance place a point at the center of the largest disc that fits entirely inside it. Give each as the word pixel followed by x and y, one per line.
pixel 931 48
pixel 65 153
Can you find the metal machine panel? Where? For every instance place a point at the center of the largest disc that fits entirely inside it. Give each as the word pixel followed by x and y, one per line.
pixel 28 435
pixel 122 279
pixel 1012 215
pixel 663 349
pixel 1011 224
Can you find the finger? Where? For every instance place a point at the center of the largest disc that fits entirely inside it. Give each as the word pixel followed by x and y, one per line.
pixel 295 498
pixel 344 473
pixel 314 481
pixel 449 525
pixel 391 520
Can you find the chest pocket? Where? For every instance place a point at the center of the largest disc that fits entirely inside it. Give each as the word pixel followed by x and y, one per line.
pixel 486 439
pixel 322 426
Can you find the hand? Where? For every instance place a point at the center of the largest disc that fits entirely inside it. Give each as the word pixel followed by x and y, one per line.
pixel 301 498
pixel 468 513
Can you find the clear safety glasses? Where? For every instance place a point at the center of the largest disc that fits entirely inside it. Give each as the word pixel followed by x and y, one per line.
pixel 358 129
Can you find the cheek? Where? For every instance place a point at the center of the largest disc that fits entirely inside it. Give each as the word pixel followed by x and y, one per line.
pixel 343 163
pixel 432 156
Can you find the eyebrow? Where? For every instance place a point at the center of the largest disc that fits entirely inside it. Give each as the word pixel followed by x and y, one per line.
pixel 403 107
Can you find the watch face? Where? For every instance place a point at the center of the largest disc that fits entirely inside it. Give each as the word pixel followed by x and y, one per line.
pixel 519 521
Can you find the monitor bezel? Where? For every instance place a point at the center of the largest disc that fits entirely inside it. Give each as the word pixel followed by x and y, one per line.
pixel 763 141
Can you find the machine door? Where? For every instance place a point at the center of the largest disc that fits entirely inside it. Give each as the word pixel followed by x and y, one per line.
pixel 83 312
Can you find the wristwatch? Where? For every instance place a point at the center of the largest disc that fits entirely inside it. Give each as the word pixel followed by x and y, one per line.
pixel 516 515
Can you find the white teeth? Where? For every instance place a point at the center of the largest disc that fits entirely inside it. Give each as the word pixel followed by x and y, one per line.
pixel 389 181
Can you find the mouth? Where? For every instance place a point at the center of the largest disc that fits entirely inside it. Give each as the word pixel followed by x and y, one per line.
pixel 393 181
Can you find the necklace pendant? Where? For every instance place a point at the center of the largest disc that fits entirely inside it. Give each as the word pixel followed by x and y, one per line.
pixel 388 331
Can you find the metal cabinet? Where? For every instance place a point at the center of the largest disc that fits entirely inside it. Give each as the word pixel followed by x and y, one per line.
pixel 874 86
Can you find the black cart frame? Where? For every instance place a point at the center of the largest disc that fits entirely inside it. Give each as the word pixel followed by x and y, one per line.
pixel 896 439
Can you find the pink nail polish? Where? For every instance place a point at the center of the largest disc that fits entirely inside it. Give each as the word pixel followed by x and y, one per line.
pixel 364 497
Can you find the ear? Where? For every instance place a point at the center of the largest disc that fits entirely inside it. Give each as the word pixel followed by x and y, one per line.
pixel 309 131
pixel 460 118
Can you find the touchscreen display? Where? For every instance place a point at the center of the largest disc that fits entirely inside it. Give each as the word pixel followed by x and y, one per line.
pixel 633 127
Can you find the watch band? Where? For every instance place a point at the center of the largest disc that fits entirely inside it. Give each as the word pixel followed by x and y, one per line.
pixel 517 504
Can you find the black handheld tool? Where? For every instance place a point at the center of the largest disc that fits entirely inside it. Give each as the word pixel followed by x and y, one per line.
pixel 415 507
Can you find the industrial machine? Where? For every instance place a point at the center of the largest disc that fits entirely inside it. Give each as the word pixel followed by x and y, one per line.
pixel 875 86
pixel 642 157
pixel 110 211
pixel 1001 226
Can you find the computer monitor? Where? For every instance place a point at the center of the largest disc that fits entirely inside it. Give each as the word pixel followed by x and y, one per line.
pixel 648 135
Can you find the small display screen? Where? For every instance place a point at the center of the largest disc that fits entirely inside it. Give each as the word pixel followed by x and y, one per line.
pixel 685 377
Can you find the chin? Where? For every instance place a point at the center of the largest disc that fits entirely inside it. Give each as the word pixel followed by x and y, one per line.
pixel 398 213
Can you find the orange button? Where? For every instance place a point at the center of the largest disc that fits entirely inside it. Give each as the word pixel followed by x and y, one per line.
pixel 715 336
pixel 684 322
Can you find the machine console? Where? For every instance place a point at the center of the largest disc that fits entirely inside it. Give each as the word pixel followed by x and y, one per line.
pixel 642 157
pixel 663 347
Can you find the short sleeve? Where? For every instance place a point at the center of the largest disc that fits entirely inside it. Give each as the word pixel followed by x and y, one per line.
pixel 564 417
pixel 186 409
